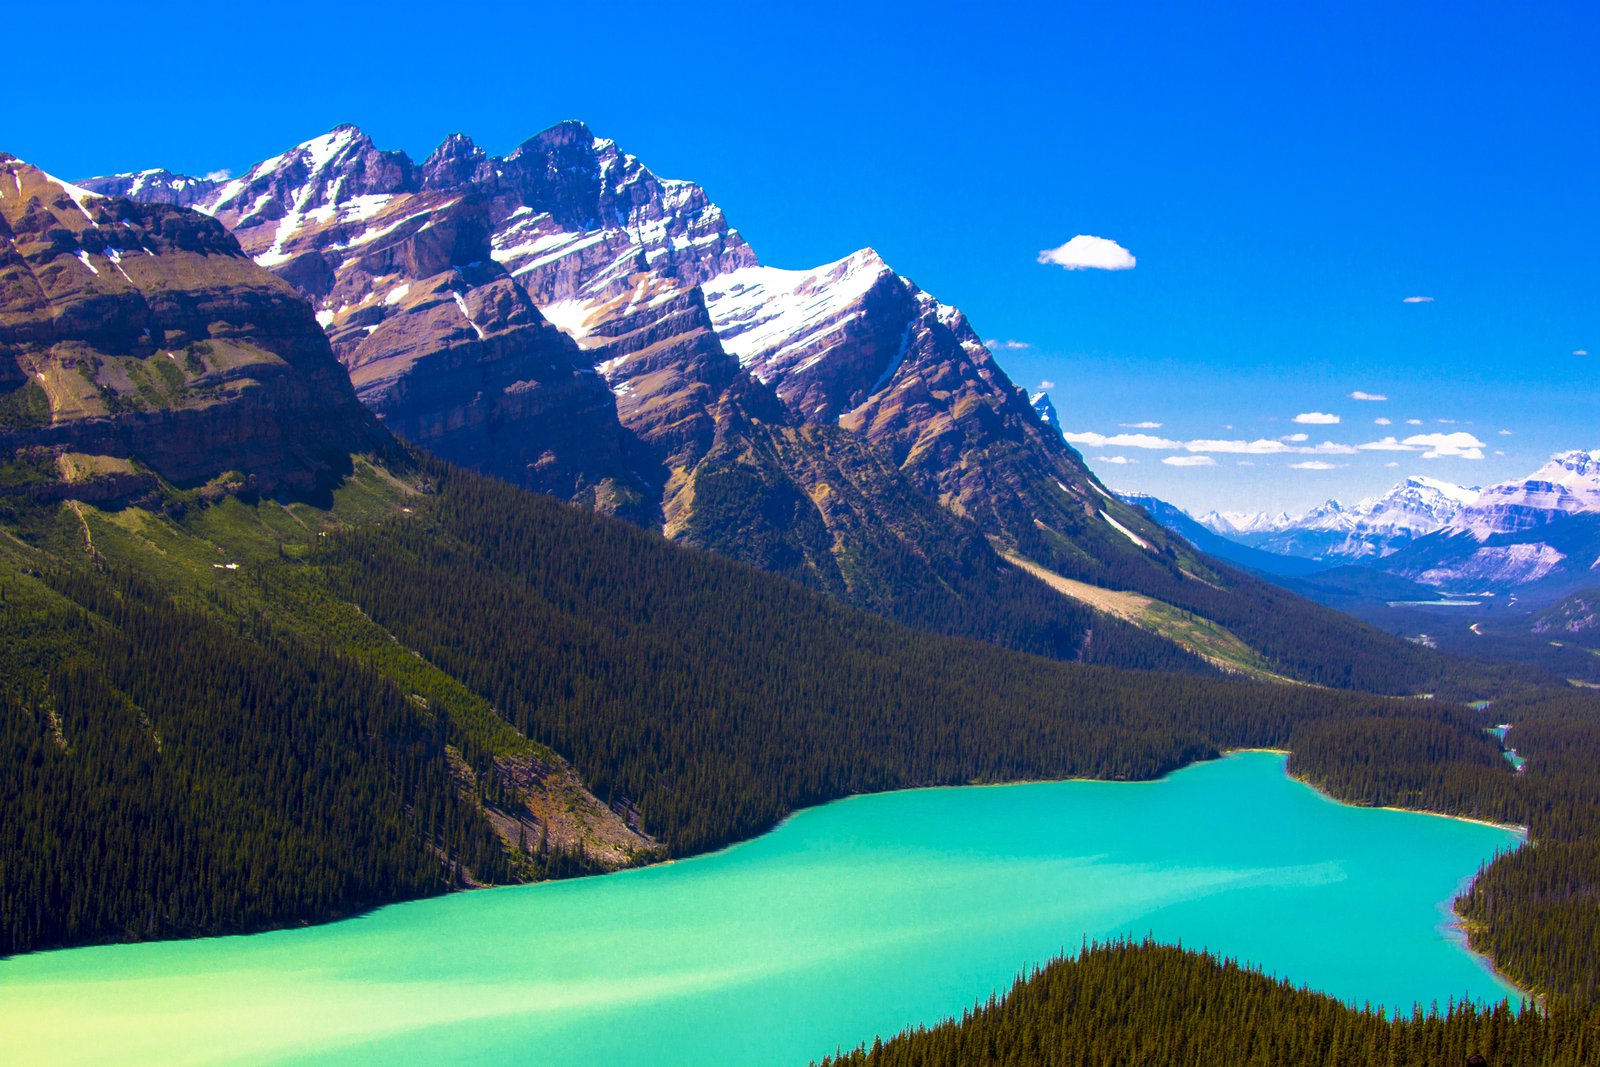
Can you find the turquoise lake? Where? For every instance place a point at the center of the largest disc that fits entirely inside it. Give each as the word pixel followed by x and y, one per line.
pixel 850 920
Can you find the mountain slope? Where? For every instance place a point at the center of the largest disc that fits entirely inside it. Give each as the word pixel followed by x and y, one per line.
pixel 839 426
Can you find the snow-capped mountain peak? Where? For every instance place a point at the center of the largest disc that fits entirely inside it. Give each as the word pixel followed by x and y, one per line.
pixel 1229 523
pixel 1568 484
pixel 1334 531
pixel 1042 407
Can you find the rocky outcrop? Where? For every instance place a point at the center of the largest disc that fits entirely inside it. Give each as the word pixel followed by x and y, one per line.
pixel 140 345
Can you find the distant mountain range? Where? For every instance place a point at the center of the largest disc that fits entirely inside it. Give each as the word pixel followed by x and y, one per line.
pixel 1536 536
pixel 1335 533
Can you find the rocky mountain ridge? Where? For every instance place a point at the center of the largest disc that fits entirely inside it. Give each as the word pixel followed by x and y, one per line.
pixel 567 320
pixel 139 346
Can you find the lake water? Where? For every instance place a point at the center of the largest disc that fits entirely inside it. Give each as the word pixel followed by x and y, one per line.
pixel 852 919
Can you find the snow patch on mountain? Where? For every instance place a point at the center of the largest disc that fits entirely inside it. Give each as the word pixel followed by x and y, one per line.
pixel 1567 485
pixel 765 315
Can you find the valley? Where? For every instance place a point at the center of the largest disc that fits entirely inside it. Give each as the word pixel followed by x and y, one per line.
pixel 762 659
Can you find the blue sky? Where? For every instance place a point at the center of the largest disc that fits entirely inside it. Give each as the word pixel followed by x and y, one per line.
pixel 1285 175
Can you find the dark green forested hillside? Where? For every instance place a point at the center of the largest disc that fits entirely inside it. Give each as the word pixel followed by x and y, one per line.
pixel 1158 1006
pixel 718 698
pixel 437 631
pixel 165 774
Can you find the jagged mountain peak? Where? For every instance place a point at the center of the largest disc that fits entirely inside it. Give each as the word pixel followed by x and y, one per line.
pixel 1573 466
pixel 1040 402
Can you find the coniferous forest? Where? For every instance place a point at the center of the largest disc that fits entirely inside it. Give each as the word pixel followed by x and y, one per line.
pixel 1159 1006
pixel 188 759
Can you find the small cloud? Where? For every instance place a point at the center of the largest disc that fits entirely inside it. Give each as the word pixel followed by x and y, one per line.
pixel 1085 252
pixel 1504 433
pixel 1189 461
pixel 1388 444
pixel 1498 452
pixel 1119 460
pixel 1246 463
pixel 1413 422
pixel 1392 463
pixel 1329 448
pixel 1010 346
pixel 1580 351
pixel 1047 384
pixel 1316 418
pixel 1293 438
pixel 1359 395
pixel 219 175
pixel 1311 465
pixel 1382 422
pixel 1446 422
pixel 1458 445
pixel 1140 425
pixel 1417 300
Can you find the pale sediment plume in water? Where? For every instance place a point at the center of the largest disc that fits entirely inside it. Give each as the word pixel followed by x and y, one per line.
pixel 853 919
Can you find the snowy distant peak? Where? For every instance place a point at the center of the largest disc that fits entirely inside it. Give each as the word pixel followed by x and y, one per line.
pixel 1329 515
pixel 1040 402
pixel 1244 522
pixel 1576 469
pixel 1461 494
pixel 1568 484
pixel 154 187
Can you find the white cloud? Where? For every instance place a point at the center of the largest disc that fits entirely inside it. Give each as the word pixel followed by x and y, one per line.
pixel 1391 463
pixel 1047 384
pixel 1580 351
pixel 1382 422
pixel 1458 445
pixel 1010 346
pixel 1261 447
pixel 1085 252
pixel 1189 461
pixel 1246 463
pixel 1504 433
pixel 1311 465
pixel 1417 300
pixel 1294 444
pixel 1316 418
pixel 1121 440
pixel 219 175
pixel 1140 425
pixel 1119 460
pixel 1388 444
pixel 1413 422
pixel 1359 395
